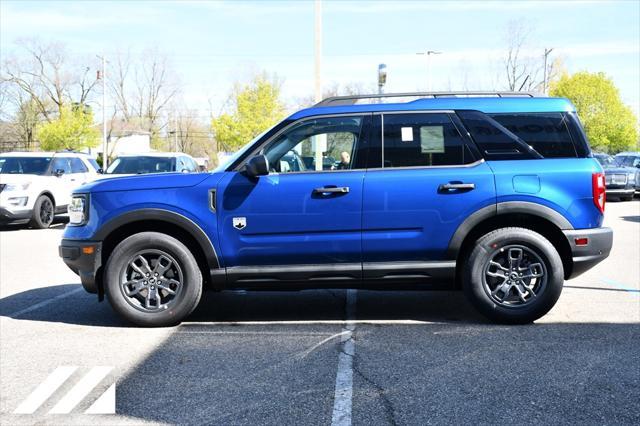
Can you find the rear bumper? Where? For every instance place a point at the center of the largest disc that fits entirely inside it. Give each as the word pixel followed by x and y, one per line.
pixel 620 192
pixel 75 255
pixel 585 257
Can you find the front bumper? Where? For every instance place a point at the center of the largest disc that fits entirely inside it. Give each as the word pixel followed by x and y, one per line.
pixel 7 216
pixel 585 257
pixel 84 258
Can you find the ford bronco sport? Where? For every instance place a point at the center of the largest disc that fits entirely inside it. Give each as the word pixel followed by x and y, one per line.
pixel 494 193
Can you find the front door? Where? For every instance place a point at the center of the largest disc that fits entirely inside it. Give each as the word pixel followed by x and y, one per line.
pixel 303 220
pixel 431 179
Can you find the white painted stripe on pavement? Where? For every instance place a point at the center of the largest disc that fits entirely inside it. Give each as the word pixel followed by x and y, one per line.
pixel 80 390
pixel 106 404
pixel 45 303
pixel 45 390
pixel 318 322
pixel 344 377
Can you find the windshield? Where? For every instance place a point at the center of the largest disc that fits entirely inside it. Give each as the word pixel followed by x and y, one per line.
pixel 229 160
pixel 24 165
pixel 605 160
pixel 141 165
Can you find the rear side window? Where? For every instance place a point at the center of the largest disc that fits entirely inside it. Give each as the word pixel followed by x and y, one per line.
pixel 419 140
pixel 547 133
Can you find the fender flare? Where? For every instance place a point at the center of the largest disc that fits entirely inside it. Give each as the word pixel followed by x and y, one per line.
pixel 506 207
pixel 169 216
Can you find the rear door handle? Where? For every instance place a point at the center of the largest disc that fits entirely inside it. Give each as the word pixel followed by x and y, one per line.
pixel 456 186
pixel 332 190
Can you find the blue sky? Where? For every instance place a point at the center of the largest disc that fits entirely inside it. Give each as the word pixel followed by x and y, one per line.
pixel 212 44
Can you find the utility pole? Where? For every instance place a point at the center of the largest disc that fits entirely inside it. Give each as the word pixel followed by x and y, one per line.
pixel 175 132
pixel 544 82
pixel 318 49
pixel 428 54
pixel 382 79
pixel 103 76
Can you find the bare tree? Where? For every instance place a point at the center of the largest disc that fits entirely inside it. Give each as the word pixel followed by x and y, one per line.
pixel 45 74
pixel 521 69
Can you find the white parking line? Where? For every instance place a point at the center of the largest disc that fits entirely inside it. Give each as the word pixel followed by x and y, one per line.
pixel 344 377
pixel 45 302
pixel 45 390
pixel 318 322
pixel 80 390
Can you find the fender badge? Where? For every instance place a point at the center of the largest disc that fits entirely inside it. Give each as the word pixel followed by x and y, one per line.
pixel 239 222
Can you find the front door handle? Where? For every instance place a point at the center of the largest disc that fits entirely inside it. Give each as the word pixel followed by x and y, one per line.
pixel 332 190
pixel 456 186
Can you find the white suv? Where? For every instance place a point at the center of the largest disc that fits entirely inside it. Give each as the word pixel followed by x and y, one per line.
pixel 35 186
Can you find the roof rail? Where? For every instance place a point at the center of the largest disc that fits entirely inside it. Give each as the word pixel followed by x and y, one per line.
pixel 352 99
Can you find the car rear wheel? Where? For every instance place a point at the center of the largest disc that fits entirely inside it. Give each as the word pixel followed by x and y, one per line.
pixel 153 280
pixel 43 212
pixel 513 276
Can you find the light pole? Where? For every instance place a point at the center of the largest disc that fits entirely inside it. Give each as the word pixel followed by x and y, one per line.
pixel 103 76
pixel 544 82
pixel 428 54
pixel 318 50
pixel 382 78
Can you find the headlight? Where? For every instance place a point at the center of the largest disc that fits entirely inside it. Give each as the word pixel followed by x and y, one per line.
pixel 78 209
pixel 17 186
pixel 18 201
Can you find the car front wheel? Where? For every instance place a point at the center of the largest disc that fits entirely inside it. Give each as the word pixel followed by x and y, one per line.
pixel 43 212
pixel 513 275
pixel 152 280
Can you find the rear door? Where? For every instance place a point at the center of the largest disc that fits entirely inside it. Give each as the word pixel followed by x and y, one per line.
pixel 429 178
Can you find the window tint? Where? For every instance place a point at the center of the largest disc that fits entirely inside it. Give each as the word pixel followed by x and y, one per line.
pixel 77 166
pixel 61 163
pixel 414 140
pixel 547 133
pixel 495 141
pixel 316 145
pixel 94 164
pixel 24 165
pixel 142 165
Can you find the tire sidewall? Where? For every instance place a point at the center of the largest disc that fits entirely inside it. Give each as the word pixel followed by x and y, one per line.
pixel 484 250
pixel 188 297
pixel 36 222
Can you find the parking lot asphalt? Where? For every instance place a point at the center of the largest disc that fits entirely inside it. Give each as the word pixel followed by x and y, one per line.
pixel 275 357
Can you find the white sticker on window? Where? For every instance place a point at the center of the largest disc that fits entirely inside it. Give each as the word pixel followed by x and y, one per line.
pixel 407 134
pixel 431 139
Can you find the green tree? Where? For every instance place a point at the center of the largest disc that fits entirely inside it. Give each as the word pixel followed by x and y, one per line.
pixel 256 106
pixel 72 129
pixel 611 126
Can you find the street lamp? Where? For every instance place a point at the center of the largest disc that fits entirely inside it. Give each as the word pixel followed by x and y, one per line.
pixel 428 54
pixel 382 77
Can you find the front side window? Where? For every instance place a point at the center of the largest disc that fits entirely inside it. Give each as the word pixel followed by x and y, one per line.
pixel 77 166
pixel 61 163
pixel 420 140
pixel 320 144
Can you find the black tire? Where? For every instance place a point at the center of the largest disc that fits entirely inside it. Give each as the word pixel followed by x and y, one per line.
pixel 43 213
pixel 497 245
pixel 184 270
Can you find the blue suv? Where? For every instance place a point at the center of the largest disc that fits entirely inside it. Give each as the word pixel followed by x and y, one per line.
pixel 496 194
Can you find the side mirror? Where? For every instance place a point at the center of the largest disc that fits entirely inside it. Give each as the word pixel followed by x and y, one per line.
pixel 100 171
pixel 58 172
pixel 257 166
pixel 185 171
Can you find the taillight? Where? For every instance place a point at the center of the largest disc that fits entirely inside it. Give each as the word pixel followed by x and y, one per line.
pixel 599 188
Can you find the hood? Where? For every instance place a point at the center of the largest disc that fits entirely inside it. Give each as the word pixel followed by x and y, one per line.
pixel 18 178
pixel 143 182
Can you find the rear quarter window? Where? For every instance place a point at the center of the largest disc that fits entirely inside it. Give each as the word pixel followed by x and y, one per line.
pixel 548 133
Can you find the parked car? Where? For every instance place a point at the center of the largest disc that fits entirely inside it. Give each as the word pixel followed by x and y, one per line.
pixel 497 194
pixel 620 181
pixel 632 160
pixel 157 162
pixel 35 186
